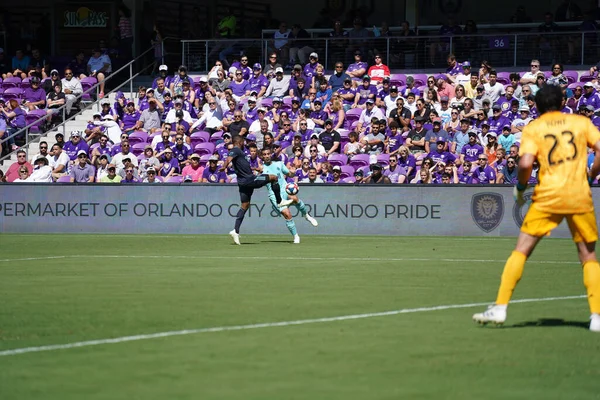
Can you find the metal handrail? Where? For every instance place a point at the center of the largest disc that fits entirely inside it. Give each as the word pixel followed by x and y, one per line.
pixel 79 97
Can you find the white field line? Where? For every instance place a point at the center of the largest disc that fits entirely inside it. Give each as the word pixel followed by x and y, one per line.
pixel 216 329
pixel 464 260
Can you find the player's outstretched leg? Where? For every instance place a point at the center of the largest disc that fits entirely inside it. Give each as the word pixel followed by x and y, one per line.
pixel 513 270
pixel 591 281
pixel 239 218
pixel 300 206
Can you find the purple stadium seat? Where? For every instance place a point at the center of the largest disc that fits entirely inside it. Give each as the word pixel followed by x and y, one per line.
pixel 575 84
pixel 338 159
pixel 353 115
pixel 199 137
pixel 64 179
pixel 138 137
pixel 586 78
pixel 349 179
pixel 397 80
pixel 548 74
pixel 359 160
pixel 347 171
pixel 94 146
pixel 422 89
pixel 504 78
pixel 13 82
pixel 383 159
pixel 175 179
pixel 572 76
pixel 86 84
pixel 267 103
pixel 33 116
pixel 204 159
pixel 12 93
pixel 25 84
pixel 217 136
pixel 138 148
pixel 204 148
pixel 420 79
pixel 160 178
pixel 287 101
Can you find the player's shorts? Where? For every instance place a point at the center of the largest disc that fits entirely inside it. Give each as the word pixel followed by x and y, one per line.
pixel 582 226
pixel 247 186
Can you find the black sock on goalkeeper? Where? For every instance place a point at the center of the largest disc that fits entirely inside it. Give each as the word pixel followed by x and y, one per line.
pixel 277 190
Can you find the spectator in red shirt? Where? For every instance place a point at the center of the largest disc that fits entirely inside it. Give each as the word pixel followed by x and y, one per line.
pixel 378 71
pixel 13 170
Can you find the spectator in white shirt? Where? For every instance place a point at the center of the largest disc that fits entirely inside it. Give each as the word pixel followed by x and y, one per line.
pixel 59 162
pixel 493 89
pixel 113 130
pixel 42 171
pixel 99 65
pixel 172 114
pixel 365 117
pixel 212 117
pixel 72 88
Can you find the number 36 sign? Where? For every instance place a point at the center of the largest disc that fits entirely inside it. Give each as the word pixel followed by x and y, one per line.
pixel 499 42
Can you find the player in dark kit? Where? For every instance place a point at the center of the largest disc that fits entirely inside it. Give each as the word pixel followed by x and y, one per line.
pixel 247 182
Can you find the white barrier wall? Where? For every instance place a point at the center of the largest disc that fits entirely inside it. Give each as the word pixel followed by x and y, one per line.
pixel 202 209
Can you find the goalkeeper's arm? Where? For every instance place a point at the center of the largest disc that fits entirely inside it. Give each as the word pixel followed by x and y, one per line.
pixel 595 170
pixel 523 175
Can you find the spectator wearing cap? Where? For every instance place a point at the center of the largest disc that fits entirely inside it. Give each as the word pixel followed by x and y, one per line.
pixel 130 117
pixel 370 112
pixel 358 68
pixel 34 97
pixel 590 113
pixel 163 73
pixel 336 80
pixel 415 140
pixel 176 85
pixel 373 142
pixel 75 145
pixel 72 88
pixel 463 75
pixel 330 139
pixel 258 82
pixel 99 66
pixel 382 93
pixel 411 88
pixel 434 134
pixel 497 121
pixel 323 91
pixel 277 87
pixel 347 93
pixel 54 101
pixel 169 166
pixel 59 162
pixel 310 68
pixel 113 130
pixel 337 174
pixel 300 89
pixel 193 169
pixel 444 88
pixel 364 92
pixel 589 97
pixel 150 119
pixel 82 171
pixel 13 171
pixel 444 111
pixel 314 142
pixel 151 176
pixel 93 132
pixel 106 109
pixel 440 153
pixel 251 113
pixel 377 176
pixel 111 175
pixel 318 116
pixel 480 97
pixel 60 139
pixel 41 170
pixel 255 126
pixel 530 101
pixel 471 151
pixel 507 138
pixel 48 84
pixel 15 120
pixel 188 92
pixel 378 71
pixel 212 174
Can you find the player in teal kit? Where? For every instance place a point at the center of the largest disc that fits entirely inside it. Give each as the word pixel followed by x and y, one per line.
pixel 279 169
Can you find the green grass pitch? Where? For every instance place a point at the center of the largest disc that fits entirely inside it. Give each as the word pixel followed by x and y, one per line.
pixel 72 288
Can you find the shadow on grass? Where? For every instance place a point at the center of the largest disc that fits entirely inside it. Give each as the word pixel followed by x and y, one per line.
pixel 550 322
pixel 276 241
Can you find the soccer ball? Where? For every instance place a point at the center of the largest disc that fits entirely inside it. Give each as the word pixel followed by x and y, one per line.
pixel 291 188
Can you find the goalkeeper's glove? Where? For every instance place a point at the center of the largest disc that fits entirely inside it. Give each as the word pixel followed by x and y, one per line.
pixel 590 180
pixel 518 192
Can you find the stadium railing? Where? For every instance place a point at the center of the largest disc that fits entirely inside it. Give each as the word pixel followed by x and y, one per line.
pixel 33 138
pixel 507 50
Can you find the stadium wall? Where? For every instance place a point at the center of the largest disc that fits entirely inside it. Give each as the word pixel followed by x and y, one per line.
pixel 210 209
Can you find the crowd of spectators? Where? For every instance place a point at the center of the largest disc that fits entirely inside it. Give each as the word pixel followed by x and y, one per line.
pixel 359 125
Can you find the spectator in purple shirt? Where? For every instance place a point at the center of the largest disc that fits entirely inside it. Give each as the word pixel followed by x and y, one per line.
pixel 359 68
pixel 347 93
pixel 395 140
pixel 396 173
pixel 472 150
pixel 74 145
pixel 130 117
pixel 34 97
pixel 497 120
pixel 169 166
pixel 258 82
pixel 212 174
pixel 302 173
pixel 181 150
pixel 163 74
pixel 407 161
pixel 590 96
pixel 454 67
pixel 310 68
pixel 364 92
pixel 483 173
pixel 98 151
pixel 439 155
pixel 466 175
pixel 242 65
pixel 239 86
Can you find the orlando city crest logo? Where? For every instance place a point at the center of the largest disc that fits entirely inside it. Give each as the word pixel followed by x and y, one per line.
pixel 519 212
pixel 487 210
